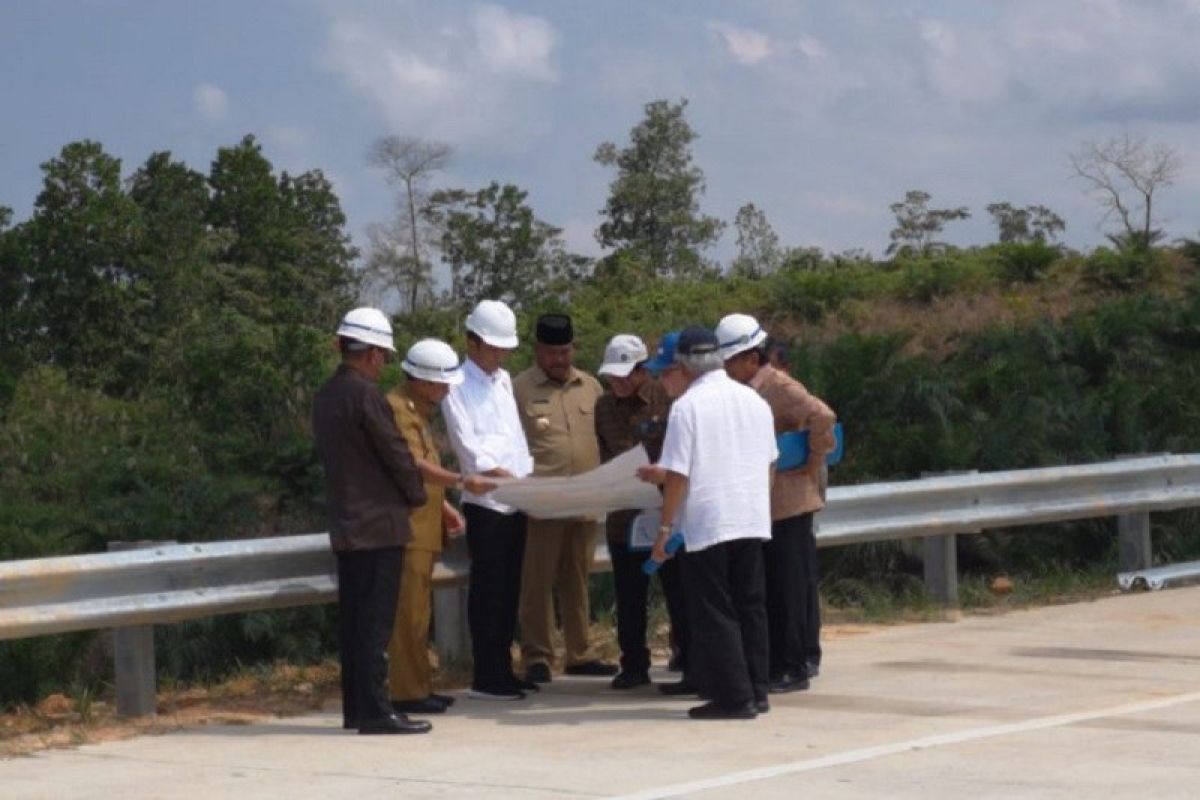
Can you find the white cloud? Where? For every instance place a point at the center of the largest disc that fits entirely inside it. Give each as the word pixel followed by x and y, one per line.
pixel 211 102
pixel 514 43
pixel 472 77
pixel 744 45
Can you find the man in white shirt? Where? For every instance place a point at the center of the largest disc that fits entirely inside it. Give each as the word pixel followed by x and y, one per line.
pixel 485 432
pixel 718 456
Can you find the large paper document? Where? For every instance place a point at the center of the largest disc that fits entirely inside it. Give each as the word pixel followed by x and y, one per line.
pixel 609 487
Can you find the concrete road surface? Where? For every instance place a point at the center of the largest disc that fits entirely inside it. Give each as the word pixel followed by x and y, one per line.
pixel 1094 700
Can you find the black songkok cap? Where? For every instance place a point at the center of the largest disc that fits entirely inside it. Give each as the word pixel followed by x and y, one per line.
pixel 695 340
pixel 555 329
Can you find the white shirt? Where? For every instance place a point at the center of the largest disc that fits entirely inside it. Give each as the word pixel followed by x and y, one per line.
pixel 721 435
pixel 485 430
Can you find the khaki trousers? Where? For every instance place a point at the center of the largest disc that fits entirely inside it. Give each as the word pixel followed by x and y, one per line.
pixel 558 556
pixel 410 675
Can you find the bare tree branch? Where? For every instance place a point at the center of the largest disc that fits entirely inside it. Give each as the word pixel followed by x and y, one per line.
pixel 1125 173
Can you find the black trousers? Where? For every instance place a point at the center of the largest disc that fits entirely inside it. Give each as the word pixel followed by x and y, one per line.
pixel 368 589
pixel 726 601
pixel 496 543
pixel 633 589
pixel 793 602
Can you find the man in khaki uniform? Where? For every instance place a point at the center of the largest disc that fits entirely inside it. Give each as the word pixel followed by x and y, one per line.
pixel 556 403
pixel 430 368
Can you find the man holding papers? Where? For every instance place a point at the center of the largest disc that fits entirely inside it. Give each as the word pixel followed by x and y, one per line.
pixel 717 457
pixel 793 604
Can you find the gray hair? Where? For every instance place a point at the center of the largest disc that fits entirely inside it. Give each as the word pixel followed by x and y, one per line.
pixel 701 363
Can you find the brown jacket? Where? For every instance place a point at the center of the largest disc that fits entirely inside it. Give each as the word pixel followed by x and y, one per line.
pixel 795 408
pixel 371 479
pixel 624 422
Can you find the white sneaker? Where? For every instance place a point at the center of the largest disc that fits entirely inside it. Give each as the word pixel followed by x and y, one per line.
pixel 497 694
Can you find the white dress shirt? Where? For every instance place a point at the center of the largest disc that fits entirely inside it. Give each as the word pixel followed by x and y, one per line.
pixel 485 430
pixel 721 435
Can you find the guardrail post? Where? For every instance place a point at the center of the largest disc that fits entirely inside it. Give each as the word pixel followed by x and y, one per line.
pixel 450 633
pixel 941 568
pixel 133 657
pixel 940 556
pixel 1133 539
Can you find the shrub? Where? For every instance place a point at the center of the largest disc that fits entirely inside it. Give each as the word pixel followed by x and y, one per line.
pixel 1024 262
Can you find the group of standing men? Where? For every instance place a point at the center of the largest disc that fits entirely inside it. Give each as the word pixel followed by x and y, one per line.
pixel 707 408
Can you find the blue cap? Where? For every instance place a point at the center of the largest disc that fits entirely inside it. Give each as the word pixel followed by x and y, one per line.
pixel 665 355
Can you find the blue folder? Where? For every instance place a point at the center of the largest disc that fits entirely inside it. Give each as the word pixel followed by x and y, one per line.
pixel 793 449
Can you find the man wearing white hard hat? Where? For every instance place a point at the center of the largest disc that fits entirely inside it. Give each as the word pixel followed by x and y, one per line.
pixel 372 484
pixel 634 411
pixel 793 601
pixel 485 432
pixel 430 368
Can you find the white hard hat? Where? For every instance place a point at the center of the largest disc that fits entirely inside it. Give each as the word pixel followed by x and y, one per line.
pixel 495 323
pixel 433 360
pixel 622 353
pixel 369 326
pixel 738 333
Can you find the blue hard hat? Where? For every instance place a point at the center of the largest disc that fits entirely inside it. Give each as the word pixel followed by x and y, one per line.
pixel 665 355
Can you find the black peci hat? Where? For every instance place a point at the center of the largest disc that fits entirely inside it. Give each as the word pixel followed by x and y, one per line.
pixel 554 329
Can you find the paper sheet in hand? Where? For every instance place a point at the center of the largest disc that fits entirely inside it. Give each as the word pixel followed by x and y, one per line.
pixel 609 487
pixel 644 529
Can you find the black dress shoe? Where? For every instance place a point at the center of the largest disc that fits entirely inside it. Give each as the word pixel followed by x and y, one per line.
pixel 518 685
pixel 630 680
pixel 788 682
pixel 538 673
pixel 678 688
pixel 593 667
pixel 761 704
pixel 394 724
pixel 813 668
pixel 445 699
pixel 712 710
pixel 425 705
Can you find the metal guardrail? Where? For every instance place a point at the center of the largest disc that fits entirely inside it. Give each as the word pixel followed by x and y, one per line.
pixel 172 582
pixel 1187 574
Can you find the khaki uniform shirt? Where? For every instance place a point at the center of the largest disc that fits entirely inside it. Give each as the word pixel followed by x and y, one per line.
pixel 624 422
pixel 413 417
pixel 559 421
pixel 794 408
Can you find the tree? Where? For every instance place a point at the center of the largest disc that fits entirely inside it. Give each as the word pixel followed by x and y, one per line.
pixel 1125 173
pixel 759 252
pixel 917 225
pixel 497 248
pixel 390 267
pixel 12 299
pixel 79 272
pixel 283 251
pixel 652 208
pixel 1028 224
pixel 408 162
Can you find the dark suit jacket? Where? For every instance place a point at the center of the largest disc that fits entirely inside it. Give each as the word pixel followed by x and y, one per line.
pixel 371 478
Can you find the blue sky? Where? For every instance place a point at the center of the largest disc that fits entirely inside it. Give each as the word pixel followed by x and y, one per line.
pixel 820 113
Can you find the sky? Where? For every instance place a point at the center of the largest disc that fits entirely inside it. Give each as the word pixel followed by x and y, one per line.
pixel 820 113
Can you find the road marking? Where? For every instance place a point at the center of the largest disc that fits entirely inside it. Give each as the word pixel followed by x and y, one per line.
pixel 883 750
